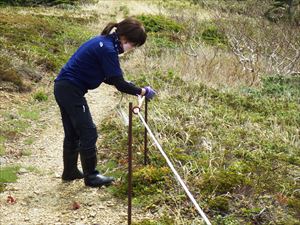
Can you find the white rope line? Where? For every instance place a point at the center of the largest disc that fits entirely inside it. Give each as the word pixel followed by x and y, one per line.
pixel 175 172
pixel 123 115
pixel 121 112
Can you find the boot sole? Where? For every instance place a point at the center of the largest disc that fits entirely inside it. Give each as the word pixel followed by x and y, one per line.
pixel 99 185
pixel 69 180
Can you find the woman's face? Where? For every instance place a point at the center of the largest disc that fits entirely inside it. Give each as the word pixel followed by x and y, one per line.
pixel 126 45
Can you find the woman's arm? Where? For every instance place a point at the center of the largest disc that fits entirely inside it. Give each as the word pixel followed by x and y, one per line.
pixel 125 86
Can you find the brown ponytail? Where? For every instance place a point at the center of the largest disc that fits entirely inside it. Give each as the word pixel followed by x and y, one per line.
pixel 131 29
pixel 108 28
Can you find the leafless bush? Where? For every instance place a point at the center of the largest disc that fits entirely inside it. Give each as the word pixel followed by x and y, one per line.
pixel 255 47
pixel 262 47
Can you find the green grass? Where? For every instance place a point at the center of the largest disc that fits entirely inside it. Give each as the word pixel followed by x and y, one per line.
pixel 32 115
pixel 47 40
pixel 44 41
pixel 33 169
pixel 21 120
pixel 162 33
pixel 40 96
pixel 159 23
pixel 29 141
pixel 13 127
pixel 2 148
pixel 286 87
pixel 9 174
pixel 164 220
pixel 212 35
pixel 159 43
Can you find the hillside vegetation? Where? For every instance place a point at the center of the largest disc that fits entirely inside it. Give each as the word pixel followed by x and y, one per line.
pixel 226 113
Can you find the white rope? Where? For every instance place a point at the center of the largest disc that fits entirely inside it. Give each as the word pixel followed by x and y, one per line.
pixel 175 172
pixel 121 112
pixel 123 115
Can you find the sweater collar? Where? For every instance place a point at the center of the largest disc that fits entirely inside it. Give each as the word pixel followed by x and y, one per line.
pixel 116 43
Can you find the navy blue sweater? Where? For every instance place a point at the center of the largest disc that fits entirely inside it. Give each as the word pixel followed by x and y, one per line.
pixel 97 61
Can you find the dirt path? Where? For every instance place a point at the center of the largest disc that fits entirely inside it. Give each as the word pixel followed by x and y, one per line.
pixel 41 196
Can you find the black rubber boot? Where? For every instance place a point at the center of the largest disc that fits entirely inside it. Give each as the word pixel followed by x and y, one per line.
pixel 71 172
pixel 92 177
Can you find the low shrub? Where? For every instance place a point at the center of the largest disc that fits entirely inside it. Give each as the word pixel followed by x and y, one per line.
pixel 219 204
pixel 281 86
pixel 159 23
pixel 40 96
pixel 146 181
pixel 224 181
pixel 8 73
pixel 214 36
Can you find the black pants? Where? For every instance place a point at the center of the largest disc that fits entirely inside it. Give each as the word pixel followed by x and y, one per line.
pixel 79 129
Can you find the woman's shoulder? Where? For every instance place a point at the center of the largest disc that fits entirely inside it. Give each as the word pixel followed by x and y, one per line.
pixel 105 43
pixel 99 45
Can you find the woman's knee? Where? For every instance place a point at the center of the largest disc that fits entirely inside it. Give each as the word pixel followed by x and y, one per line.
pixel 88 138
pixel 70 143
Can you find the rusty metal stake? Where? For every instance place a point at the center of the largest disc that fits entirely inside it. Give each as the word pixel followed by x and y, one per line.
pixel 145 135
pixel 130 163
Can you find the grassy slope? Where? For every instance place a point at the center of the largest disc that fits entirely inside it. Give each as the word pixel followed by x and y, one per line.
pixel 38 39
pixel 237 148
pixel 239 152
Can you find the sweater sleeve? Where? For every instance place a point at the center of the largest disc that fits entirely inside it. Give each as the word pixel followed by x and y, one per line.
pixel 123 86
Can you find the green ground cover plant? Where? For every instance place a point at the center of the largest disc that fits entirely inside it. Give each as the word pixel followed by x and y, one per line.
pixel 162 32
pixel 39 41
pixel 42 39
pixel 159 23
pixel 8 174
pixel 212 35
pixel 40 96
pixel 164 220
pixel 2 148
pixel 9 74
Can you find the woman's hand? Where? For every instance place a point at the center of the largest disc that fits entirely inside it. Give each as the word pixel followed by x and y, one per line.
pixel 148 92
